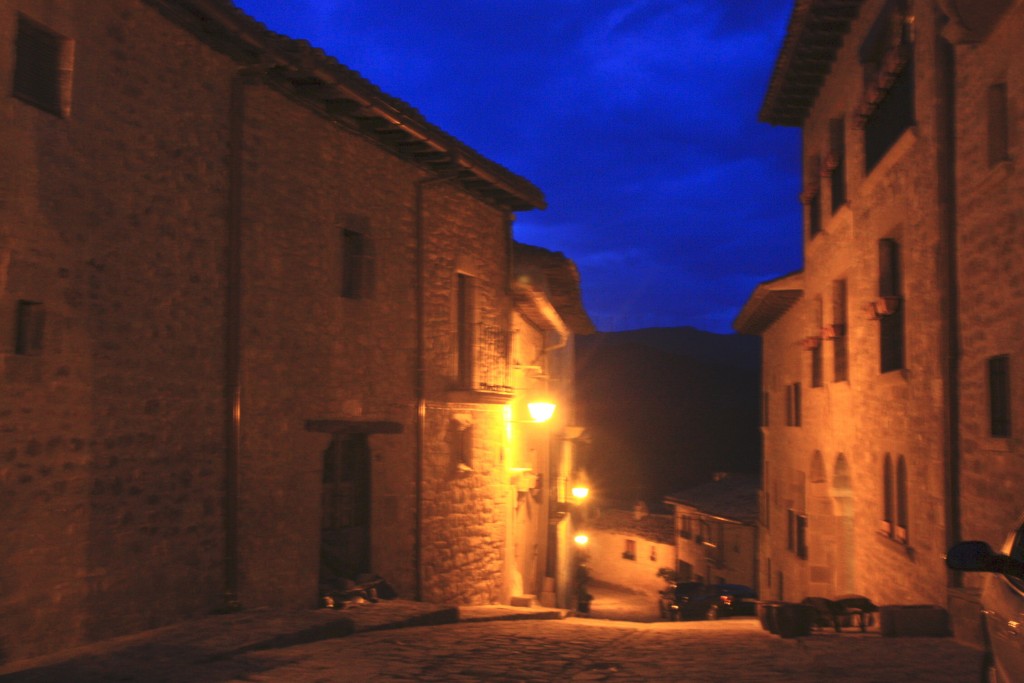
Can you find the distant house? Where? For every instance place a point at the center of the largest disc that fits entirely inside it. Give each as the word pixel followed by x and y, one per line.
pixel 628 547
pixel 716 530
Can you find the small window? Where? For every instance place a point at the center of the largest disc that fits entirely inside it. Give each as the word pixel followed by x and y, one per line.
pixel 890 291
pixel 814 215
pixel 630 552
pixel 811 196
pixel 835 164
pixel 902 512
pixel 816 348
pixel 999 396
pixel 28 328
pixel 460 439
pixel 686 527
pixel 42 68
pixel 465 330
pixel 797 535
pixel 888 497
pixel 998 124
pixel 840 348
pixel 793 404
pixel 356 260
pixel 818 475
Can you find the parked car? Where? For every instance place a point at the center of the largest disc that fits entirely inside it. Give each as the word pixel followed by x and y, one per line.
pixel 692 600
pixel 1002 601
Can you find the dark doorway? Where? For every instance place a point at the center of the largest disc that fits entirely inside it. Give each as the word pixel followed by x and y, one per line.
pixel 345 526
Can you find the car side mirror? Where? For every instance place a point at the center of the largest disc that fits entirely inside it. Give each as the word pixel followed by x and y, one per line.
pixel 978 556
pixel 972 556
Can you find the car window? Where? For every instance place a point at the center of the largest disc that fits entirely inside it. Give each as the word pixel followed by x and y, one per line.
pixel 1016 551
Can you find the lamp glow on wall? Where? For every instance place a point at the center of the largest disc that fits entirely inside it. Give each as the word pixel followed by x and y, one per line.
pixel 540 410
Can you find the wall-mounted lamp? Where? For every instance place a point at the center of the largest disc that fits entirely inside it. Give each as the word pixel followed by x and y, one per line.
pixel 579 492
pixel 581 539
pixel 540 411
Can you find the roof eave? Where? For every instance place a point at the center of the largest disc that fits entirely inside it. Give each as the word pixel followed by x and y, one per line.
pixel 814 35
pixel 343 95
pixel 768 302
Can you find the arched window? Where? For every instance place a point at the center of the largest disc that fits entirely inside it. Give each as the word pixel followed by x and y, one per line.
pixel 841 478
pixel 902 521
pixel 818 475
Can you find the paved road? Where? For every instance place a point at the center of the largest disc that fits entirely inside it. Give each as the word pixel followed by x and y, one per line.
pixel 600 650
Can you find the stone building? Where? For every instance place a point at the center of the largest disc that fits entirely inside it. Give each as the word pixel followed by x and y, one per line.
pixel 627 548
pixel 248 305
pixel 540 456
pixel 715 526
pixel 890 361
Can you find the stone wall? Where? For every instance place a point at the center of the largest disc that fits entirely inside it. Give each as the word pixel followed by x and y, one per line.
pixel 111 219
pixel 309 352
pixel 465 512
pixel 115 220
pixel 873 413
pixel 990 218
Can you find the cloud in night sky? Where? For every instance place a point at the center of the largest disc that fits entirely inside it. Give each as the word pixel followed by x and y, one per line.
pixel 636 118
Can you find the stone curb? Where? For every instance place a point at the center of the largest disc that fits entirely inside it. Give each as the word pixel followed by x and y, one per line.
pixel 223 636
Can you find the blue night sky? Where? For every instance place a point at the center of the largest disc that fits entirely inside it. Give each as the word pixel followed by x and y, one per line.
pixel 636 118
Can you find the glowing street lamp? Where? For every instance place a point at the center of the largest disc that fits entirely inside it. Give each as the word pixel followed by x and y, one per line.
pixel 580 491
pixel 581 539
pixel 540 411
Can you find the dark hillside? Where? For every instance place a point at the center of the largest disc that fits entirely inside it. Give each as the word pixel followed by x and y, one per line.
pixel 665 408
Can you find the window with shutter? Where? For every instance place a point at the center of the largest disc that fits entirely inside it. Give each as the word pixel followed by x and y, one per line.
pixel 42 68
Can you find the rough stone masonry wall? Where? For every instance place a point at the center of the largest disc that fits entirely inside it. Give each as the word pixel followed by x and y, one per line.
pixel 991 303
pixel 464 513
pixel 113 219
pixel 897 412
pixel 786 451
pixel 311 353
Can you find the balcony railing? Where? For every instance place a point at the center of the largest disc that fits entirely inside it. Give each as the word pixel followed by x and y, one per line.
pixel 492 368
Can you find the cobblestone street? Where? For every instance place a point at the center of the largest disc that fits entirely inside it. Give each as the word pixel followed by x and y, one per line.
pixel 409 641
pixel 597 650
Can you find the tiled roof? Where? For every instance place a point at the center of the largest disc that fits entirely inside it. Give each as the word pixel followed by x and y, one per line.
pixel 554 274
pixel 657 528
pixel 343 95
pixel 733 497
